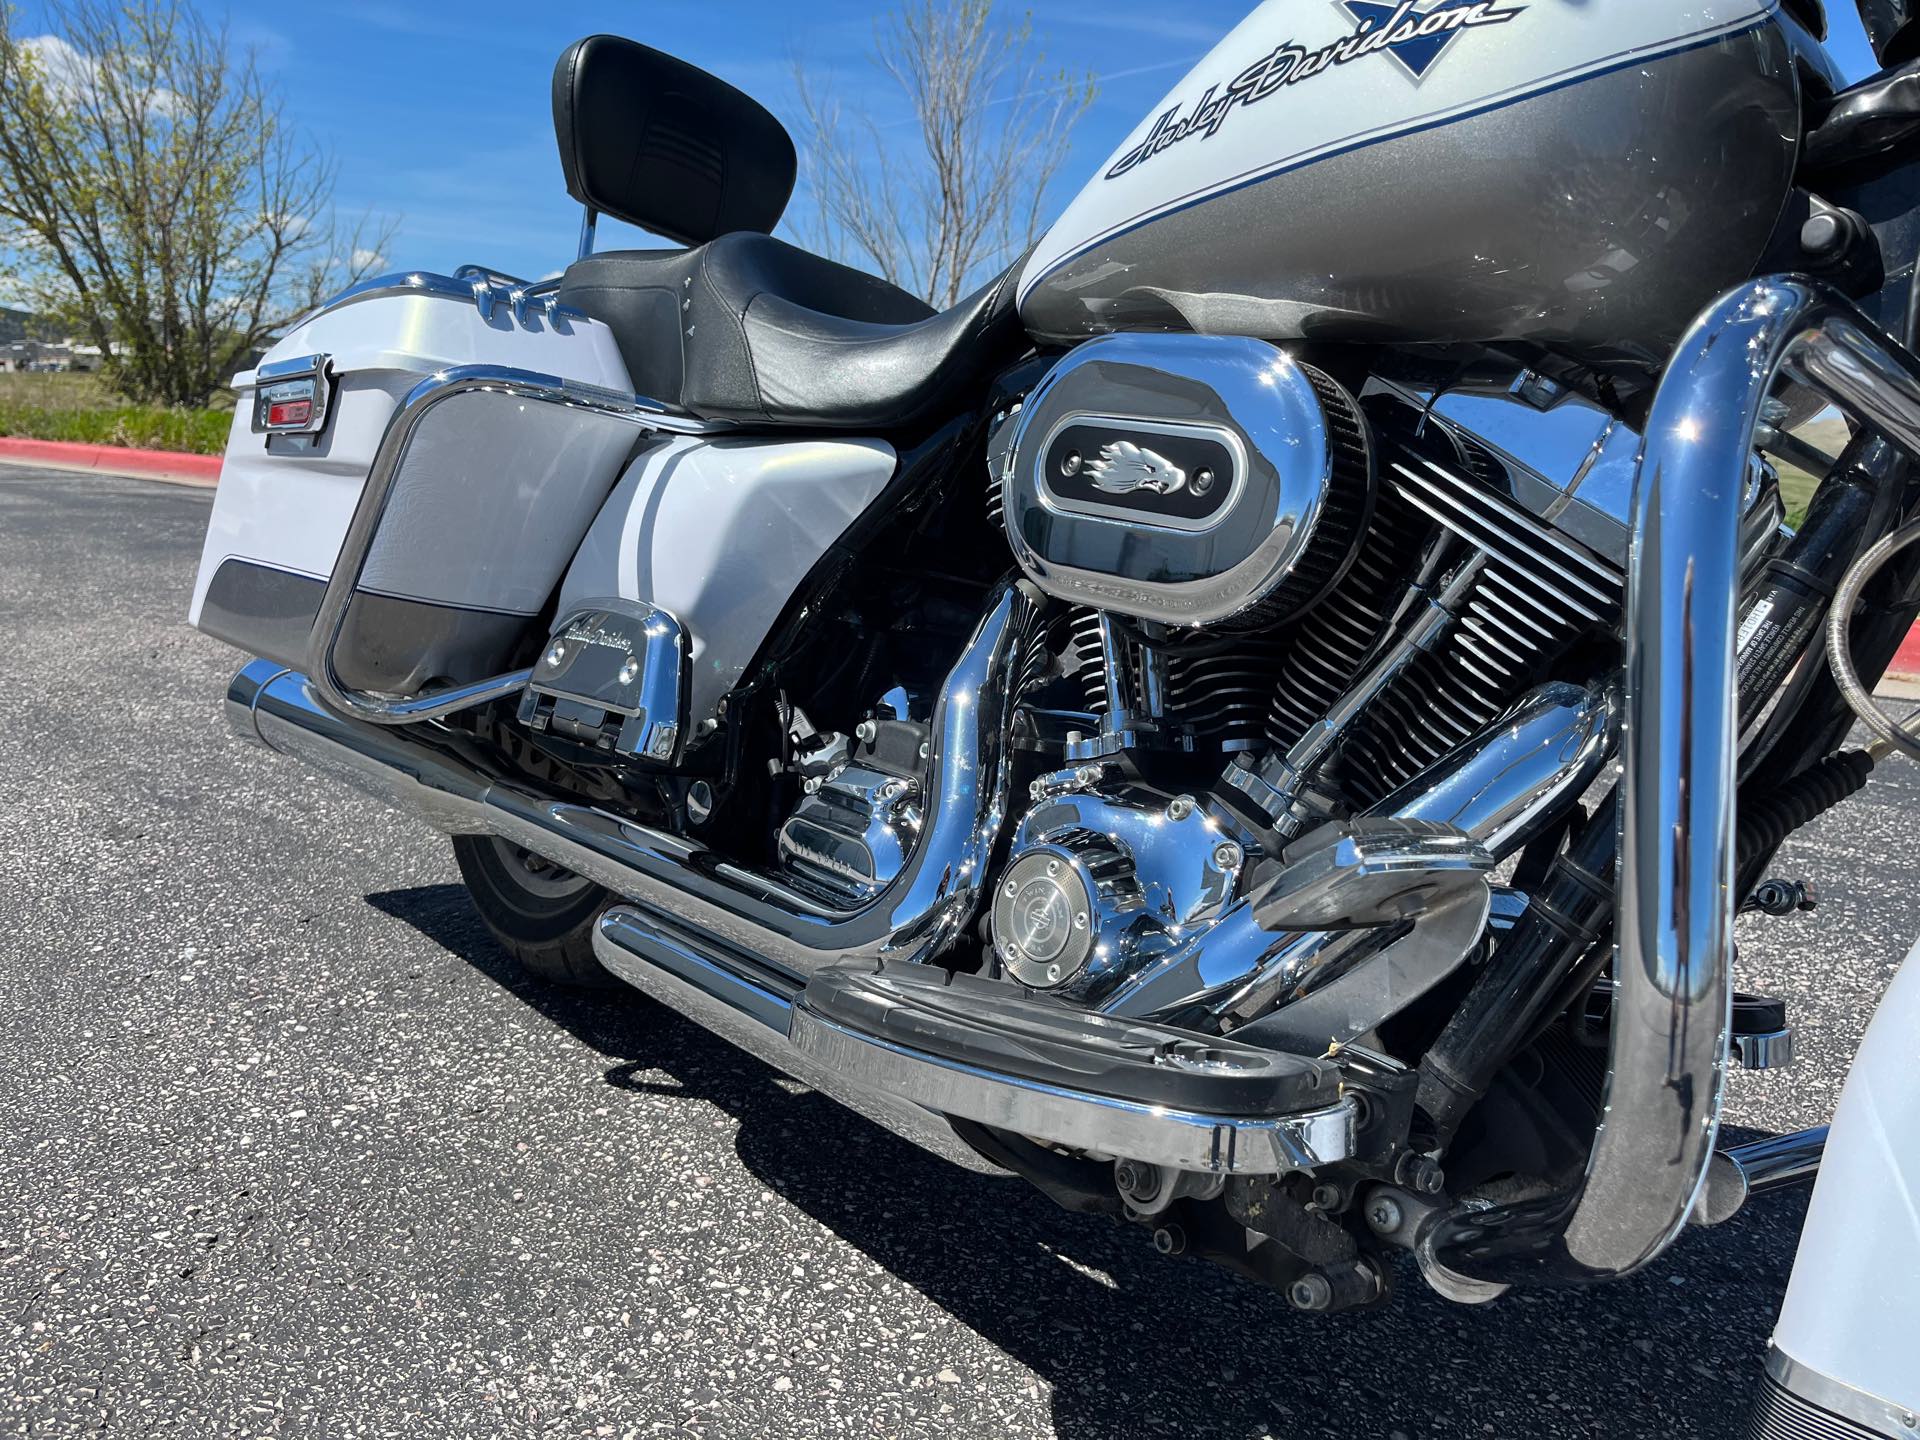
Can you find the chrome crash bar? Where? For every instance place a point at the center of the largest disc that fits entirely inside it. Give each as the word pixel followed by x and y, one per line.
pixel 422 401
pixel 1674 926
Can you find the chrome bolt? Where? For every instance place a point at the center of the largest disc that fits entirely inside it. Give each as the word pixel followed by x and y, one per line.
pixel 1053 867
pixel 1326 1197
pixel 556 654
pixel 1087 775
pixel 1170 1240
pixel 1136 1179
pixel 811 784
pixel 1202 482
pixel 1070 465
pixel 1227 856
pixel 1053 973
pixel 1310 1292
pixel 865 730
pixel 1037 790
pixel 1384 1214
pixel 926 749
pixel 1010 889
pixel 629 671
pixel 1080 921
pixel 1179 808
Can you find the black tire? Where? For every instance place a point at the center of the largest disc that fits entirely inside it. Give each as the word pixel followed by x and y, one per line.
pixel 542 915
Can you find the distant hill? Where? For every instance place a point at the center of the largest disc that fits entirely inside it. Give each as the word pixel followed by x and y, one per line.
pixel 19 325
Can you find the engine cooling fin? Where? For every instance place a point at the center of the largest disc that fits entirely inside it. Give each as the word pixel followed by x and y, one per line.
pixel 1335 639
pixel 1529 594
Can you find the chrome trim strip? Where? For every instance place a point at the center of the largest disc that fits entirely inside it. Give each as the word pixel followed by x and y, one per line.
pixel 474 284
pixel 1883 1417
pixel 642 414
pixel 1102 1124
pixel 1674 928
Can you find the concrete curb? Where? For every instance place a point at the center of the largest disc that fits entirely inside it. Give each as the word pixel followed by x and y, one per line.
pixel 167 465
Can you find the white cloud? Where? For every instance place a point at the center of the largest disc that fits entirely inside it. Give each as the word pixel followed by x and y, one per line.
pixel 71 74
pixel 367 259
pixel 68 72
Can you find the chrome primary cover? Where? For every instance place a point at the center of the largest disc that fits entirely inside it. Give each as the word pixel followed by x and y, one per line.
pixel 1581 175
pixel 1186 479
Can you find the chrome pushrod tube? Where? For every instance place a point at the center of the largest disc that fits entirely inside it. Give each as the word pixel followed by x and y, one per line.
pixel 1674 912
pixel 422 401
pixel 421 771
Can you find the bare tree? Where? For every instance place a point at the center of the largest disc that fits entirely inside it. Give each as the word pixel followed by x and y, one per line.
pixel 993 128
pixel 152 191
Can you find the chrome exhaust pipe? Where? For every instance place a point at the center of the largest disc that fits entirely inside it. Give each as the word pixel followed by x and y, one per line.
pixel 421 771
pixel 734 950
pixel 1674 914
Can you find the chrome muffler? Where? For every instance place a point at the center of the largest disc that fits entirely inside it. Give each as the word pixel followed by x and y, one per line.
pixel 735 950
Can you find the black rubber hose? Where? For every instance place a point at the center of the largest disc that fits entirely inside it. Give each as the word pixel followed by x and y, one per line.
pixel 1767 820
pixel 1565 919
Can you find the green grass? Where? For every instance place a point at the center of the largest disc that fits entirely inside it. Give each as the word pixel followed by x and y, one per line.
pixel 79 407
pixel 1826 432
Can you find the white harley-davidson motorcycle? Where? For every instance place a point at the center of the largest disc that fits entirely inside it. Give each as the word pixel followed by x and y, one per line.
pixel 1261 719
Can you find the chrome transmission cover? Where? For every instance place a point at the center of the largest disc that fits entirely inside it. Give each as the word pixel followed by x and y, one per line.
pixel 1186 479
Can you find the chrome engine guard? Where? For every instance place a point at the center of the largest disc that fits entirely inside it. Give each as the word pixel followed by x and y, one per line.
pixel 1674 917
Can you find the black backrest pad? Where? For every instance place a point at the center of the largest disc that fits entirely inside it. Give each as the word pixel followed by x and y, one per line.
pixel 655 141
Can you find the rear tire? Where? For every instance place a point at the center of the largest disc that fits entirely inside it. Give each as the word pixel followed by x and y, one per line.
pixel 543 916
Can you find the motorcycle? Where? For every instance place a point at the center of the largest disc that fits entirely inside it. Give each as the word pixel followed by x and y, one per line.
pixel 1260 720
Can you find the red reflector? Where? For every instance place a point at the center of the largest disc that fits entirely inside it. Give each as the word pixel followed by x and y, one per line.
pixel 289 412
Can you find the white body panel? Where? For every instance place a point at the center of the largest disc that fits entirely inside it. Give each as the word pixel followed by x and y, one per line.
pixel 1204 146
pixel 289 509
pixel 721 533
pixel 1852 1312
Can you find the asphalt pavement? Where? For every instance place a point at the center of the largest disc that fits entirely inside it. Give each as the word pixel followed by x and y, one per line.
pixel 287 1147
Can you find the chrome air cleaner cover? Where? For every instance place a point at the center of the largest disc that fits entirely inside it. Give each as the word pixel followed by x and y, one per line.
pixel 1186 479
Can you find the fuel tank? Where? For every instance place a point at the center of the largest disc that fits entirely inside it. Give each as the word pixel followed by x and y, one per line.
pixel 1582 174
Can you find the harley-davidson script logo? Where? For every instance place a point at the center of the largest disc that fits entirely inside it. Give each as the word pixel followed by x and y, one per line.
pixel 1414 35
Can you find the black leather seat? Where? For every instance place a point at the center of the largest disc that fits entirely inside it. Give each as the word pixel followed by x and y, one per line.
pixel 740 326
pixel 750 328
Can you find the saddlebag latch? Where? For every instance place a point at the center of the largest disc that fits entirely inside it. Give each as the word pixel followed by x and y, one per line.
pixel 613 677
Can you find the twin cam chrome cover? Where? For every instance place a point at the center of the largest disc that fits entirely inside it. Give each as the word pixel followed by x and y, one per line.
pixel 1185 479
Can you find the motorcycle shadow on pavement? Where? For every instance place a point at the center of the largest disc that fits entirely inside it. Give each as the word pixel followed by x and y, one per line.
pixel 1132 1343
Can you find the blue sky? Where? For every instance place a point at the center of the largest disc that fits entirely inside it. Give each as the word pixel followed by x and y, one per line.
pixel 439 115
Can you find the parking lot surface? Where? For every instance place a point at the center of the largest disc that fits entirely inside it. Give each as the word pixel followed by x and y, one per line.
pixel 291 1149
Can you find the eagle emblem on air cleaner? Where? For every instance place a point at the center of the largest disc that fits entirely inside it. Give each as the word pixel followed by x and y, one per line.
pixel 1124 467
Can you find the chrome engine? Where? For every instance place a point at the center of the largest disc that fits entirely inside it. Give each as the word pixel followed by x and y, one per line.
pixel 1289 756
